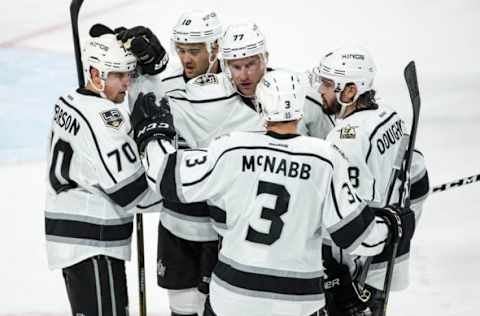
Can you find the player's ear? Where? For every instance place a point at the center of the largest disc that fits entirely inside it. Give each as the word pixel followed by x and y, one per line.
pixel 95 75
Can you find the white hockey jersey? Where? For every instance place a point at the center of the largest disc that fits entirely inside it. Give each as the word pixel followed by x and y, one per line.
pixel 275 196
pixel 370 138
pixel 94 176
pixel 204 108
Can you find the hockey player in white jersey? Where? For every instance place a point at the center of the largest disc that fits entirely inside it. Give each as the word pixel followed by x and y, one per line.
pixel 276 194
pixel 370 135
pixel 185 258
pixel 94 177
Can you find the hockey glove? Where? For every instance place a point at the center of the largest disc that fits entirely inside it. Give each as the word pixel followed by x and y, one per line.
pixel 152 58
pixel 151 121
pixel 401 223
pixel 343 296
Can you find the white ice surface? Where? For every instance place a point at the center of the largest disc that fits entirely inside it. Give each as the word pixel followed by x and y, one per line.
pixel 36 65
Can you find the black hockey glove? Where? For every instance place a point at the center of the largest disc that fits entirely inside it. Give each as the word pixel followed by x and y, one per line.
pixel 152 58
pixel 401 223
pixel 343 296
pixel 151 121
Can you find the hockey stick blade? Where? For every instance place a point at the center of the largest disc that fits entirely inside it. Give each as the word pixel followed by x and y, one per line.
pixel 75 6
pixel 100 29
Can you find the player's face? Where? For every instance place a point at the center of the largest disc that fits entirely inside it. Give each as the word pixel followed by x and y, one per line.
pixel 246 73
pixel 329 97
pixel 116 86
pixel 194 58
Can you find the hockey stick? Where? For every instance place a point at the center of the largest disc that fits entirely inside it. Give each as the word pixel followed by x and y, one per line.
pixel 141 266
pixel 410 75
pixel 75 6
pixel 456 183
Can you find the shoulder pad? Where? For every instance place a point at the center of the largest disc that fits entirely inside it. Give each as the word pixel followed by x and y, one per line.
pixel 209 86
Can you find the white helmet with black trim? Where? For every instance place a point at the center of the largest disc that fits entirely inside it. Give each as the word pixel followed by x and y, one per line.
pixel 345 66
pixel 106 54
pixel 198 27
pixel 280 96
pixel 242 40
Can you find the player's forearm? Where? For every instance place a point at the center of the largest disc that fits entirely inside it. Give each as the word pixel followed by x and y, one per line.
pixel 374 241
pixel 154 161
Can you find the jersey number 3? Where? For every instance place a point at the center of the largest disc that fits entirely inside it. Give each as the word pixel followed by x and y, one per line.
pixel 273 215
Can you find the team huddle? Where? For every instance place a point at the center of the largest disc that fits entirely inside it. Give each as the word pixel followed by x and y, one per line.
pixel 272 186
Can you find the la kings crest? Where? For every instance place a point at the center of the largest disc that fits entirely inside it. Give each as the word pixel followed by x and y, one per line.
pixel 112 118
pixel 205 79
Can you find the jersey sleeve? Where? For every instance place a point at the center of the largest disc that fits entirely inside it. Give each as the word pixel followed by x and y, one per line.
pixel 355 146
pixel 114 159
pixel 186 176
pixel 350 222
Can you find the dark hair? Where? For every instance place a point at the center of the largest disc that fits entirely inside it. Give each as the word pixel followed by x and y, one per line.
pixel 367 99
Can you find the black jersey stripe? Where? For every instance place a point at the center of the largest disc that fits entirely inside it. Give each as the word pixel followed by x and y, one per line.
pixel 217 214
pixel 204 100
pixel 320 105
pixel 93 136
pixel 143 207
pixel 267 283
pixel 172 77
pixel 84 230
pixel 255 148
pixel 375 130
pixel 334 198
pixel 199 209
pixel 130 192
pixel 346 235
pixel 168 184
pixel 420 188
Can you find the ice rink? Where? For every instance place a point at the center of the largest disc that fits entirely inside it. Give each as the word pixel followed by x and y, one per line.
pixel 37 65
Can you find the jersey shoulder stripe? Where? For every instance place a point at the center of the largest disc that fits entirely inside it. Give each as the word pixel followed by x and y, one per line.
pixel 375 130
pixel 255 148
pixel 172 77
pixel 93 137
pixel 204 100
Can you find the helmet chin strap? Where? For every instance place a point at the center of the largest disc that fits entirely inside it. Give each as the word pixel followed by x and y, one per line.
pixel 211 61
pixel 99 90
pixel 344 105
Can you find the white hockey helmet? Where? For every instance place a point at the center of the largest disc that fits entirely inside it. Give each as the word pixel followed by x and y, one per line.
pixel 197 27
pixel 106 54
pixel 242 40
pixel 280 96
pixel 347 65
